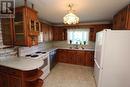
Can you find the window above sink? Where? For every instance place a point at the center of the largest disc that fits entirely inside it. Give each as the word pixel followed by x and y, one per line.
pixel 78 36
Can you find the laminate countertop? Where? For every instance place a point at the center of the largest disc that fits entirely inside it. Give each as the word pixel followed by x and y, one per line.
pixel 22 63
pixel 67 48
pixel 87 49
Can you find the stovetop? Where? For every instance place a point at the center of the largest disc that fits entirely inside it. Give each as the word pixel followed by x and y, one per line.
pixel 36 55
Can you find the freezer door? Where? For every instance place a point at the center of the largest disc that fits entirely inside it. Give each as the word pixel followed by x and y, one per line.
pixel 100 36
pixel 97 74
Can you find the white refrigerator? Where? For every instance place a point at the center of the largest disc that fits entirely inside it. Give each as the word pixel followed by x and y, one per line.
pixel 112 58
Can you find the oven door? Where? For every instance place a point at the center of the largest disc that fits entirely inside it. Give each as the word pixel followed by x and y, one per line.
pixel 45 64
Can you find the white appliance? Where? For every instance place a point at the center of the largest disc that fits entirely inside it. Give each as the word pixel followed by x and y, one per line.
pixel 40 37
pixel 112 58
pixel 45 57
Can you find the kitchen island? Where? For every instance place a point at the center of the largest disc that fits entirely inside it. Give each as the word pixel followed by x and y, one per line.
pixel 20 72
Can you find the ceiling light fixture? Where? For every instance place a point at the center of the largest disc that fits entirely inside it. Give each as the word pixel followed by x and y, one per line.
pixel 70 18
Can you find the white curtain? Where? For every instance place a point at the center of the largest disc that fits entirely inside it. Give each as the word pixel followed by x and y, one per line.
pixel 78 36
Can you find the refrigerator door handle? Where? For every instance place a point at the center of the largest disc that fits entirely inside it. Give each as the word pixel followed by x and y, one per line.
pixel 95 55
pixel 96 63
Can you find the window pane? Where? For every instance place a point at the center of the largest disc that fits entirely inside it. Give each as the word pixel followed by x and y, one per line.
pixel 78 35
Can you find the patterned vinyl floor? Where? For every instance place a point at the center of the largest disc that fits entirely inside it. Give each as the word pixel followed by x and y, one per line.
pixel 67 75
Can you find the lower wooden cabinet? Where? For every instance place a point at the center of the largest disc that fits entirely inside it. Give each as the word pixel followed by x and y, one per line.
pixel 14 81
pixel 89 58
pixel 15 78
pixel 3 80
pixel 78 57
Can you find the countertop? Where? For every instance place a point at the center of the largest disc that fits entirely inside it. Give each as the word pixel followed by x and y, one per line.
pixel 50 49
pixel 87 49
pixel 22 63
pixel 67 48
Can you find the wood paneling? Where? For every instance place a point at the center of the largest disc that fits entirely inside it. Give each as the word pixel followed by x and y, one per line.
pixel 7 26
pixel 121 20
pixel 78 57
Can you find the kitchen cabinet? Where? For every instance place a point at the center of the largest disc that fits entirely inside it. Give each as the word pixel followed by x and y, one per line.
pixel 50 33
pixel 3 80
pixel 122 19
pixel 62 56
pixel 97 28
pixel 59 34
pixel 47 32
pixel 26 26
pixel 7 25
pixel 71 57
pixel 92 34
pixel 78 57
pixel 53 60
pixel 16 78
pixel 89 58
pixel 14 81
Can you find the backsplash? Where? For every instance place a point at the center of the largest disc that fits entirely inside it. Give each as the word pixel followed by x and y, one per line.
pixel 29 50
pixel 1 41
pixel 64 44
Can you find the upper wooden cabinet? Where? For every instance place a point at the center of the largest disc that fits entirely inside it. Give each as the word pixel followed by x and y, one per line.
pixel 26 26
pixel 47 32
pixel 7 25
pixel 122 19
pixel 59 34
pixel 97 28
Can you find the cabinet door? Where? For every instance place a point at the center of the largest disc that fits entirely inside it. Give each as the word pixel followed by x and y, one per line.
pixel 14 81
pixel 50 33
pixel 59 34
pixel 55 34
pixel 19 33
pixel 80 57
pixel 128 20
pixel 92 34
pixel 45 32
pixel 3 80
pixel 72 59
pixel 62 56
pixel 123 19
pixel 7 26
pixel 89 60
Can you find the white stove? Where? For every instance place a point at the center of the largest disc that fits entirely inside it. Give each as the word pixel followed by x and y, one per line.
pixel 45 57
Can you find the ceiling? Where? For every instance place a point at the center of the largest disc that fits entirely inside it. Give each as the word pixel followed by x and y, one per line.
pixel 87 10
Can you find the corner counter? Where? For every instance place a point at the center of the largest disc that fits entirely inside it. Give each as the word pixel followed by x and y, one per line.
pixel 22 63
pixel 21 72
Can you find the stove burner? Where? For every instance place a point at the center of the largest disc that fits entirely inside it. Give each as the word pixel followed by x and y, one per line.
pixel 34 55
pixel 43 52
pixel 38 52
pixel 28 55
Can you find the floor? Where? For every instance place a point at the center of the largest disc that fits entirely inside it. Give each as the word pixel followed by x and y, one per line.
pixel 67 75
